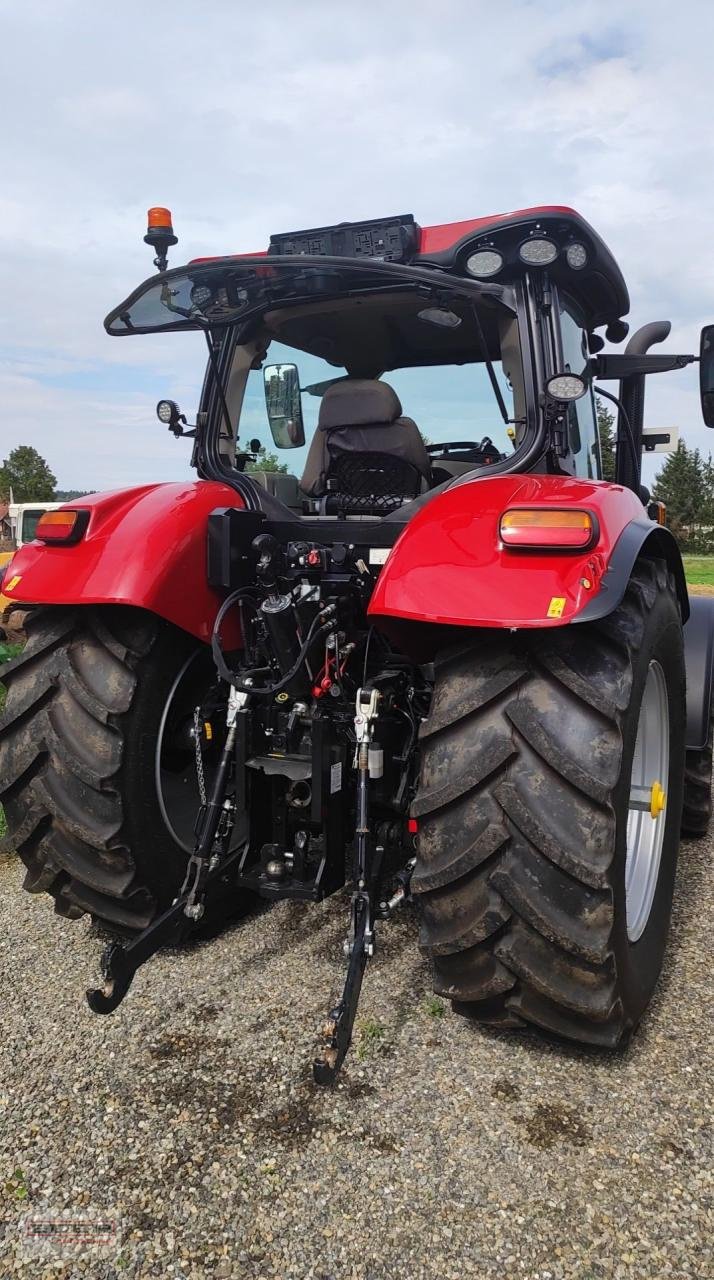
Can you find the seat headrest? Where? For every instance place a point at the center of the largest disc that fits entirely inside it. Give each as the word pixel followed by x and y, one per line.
pixel 358 402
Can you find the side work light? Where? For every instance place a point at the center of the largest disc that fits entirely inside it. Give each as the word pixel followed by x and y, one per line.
pixel 565 387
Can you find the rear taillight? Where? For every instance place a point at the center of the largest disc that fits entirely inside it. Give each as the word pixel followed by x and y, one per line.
pixel 544 527
pixel 62 526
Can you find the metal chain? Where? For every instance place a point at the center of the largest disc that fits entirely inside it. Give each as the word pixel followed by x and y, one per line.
pixel 197 729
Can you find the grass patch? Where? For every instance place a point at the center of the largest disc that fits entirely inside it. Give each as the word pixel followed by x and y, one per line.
pixel 434 1007
pixel 16 1187
pixel 371 1033
pixel 699 570
pixel 8 651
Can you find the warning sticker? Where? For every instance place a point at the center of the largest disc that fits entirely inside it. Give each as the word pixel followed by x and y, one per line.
pixel 378 555
pixel 556 607
pixel 10 586
pixel 335 778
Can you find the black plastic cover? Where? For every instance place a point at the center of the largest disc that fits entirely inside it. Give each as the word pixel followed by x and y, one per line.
pixel 386 239
pixel 230 535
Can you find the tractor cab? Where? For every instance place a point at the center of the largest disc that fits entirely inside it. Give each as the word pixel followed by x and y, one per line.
pixel 397 359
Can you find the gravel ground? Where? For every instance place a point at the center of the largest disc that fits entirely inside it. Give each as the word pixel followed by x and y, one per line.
pixel 189 1117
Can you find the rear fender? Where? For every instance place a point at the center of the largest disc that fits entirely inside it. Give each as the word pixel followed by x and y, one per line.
pixel 145 547
pixel 449 566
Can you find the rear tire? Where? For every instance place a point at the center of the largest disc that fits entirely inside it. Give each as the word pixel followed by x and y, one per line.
pixel 78 782
pixel 527 759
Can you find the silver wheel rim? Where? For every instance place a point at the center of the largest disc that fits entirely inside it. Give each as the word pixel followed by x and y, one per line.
pixel 647 811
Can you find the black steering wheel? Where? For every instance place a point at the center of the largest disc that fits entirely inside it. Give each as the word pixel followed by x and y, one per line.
pixel 454 444
pixel 475 448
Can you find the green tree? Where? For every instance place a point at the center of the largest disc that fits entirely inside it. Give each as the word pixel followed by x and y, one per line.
pixel 26 473
pixel 686 486
pixel 606 430
pixel 267 462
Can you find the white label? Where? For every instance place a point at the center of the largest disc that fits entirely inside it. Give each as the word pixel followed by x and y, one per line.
pixel 335 778
pixel 378 555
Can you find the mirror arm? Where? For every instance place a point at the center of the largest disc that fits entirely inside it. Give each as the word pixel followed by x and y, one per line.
pixel 614 365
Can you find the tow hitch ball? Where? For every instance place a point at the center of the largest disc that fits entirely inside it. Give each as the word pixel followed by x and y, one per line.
pixel 211 861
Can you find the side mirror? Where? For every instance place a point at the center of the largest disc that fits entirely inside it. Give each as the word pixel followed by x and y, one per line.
pixel 706 374
pixel 282 401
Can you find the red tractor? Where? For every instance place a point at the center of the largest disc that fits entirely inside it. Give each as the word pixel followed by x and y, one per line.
pixel 448 670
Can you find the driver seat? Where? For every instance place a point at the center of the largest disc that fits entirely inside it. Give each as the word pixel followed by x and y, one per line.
pixel 365 458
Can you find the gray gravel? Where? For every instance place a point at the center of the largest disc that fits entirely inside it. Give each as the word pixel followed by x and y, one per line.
pixel 189 1115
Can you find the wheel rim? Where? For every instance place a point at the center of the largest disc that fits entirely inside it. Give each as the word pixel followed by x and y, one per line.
pixel 175 759
pixel 647 803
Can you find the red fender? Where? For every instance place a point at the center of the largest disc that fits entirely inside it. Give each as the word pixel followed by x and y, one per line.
pixel 449 565
pixel 143 547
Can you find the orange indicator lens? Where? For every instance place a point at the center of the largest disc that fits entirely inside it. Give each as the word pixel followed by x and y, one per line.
pixel 542 527
pixel 61 526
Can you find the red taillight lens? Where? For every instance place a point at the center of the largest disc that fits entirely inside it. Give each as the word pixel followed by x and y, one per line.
pixel 62 526
pixel 542 527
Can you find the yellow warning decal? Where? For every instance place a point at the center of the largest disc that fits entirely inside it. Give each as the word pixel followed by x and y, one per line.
pixel 556 606
pixel 208 730
pixel 10 586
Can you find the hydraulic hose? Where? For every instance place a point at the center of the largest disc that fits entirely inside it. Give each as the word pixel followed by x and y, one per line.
pixel 314 633
pixel 600 391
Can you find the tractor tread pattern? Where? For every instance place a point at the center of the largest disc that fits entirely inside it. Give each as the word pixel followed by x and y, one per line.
pixel 523 936
pixel 61 756
pixel 697 807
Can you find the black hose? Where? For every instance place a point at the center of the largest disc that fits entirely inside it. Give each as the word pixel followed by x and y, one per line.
pixel 600 391
pixel 267 690
pixel 216 649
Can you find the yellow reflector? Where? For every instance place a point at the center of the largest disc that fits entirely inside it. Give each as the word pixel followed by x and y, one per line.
pixel 658 799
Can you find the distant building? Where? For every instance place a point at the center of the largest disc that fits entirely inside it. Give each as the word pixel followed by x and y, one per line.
pixel 5 530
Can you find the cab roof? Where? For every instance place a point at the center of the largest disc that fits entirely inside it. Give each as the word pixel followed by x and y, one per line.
pixel 378 256
pixel 598 286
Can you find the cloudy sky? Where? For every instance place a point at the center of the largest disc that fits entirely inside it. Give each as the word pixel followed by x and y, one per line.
pixel 247 119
